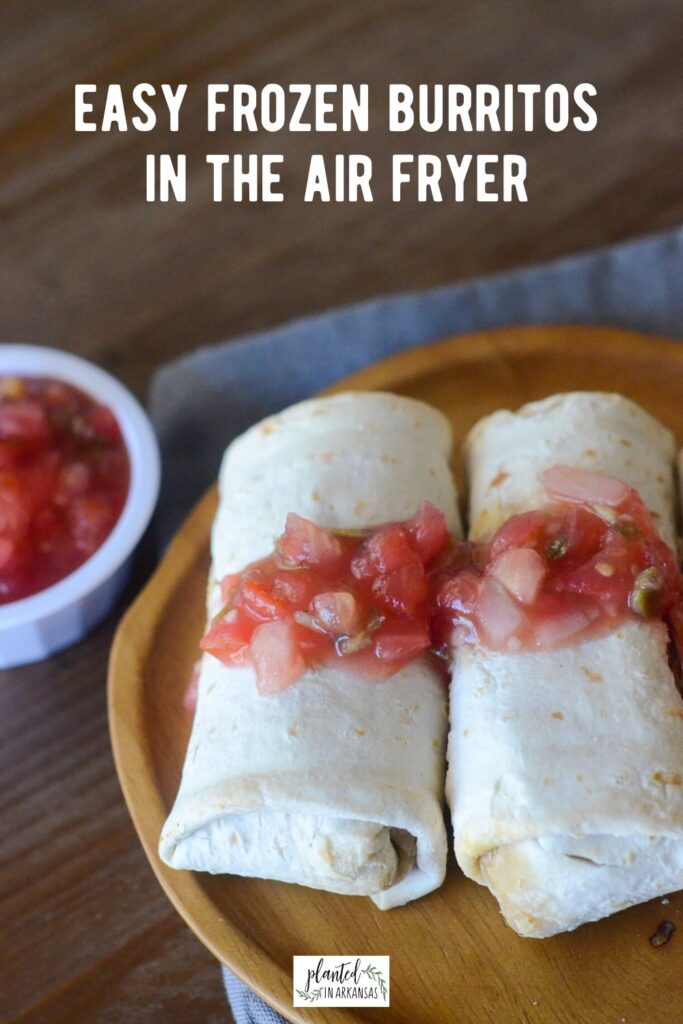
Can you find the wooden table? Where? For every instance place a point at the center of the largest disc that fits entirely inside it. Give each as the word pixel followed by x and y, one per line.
pixel 88 265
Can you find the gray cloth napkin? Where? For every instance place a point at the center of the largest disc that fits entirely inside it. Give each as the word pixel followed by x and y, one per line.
pixel 203 400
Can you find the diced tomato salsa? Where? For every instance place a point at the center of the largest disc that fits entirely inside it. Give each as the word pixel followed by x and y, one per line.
pixel 372 601
pixel 64 478
pixel 576 569
pixel 358 601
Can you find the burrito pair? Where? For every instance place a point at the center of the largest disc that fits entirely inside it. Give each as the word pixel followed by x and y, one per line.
pixel 565 767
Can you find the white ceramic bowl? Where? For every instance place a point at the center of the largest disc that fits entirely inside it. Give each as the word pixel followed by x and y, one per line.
pixel 36 626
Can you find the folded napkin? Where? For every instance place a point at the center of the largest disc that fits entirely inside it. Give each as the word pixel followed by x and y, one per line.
pixel 203 400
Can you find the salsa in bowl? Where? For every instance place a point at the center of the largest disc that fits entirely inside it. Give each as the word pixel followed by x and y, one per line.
pixel 79 479
pixel 64 480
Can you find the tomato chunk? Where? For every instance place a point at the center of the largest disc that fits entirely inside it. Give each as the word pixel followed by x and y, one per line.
pixel 427 531
pixel 259 601
pixel 100 423
pixel 16 507
pixel 90 520
pixel 304 543
pixel 229 639
pixel 400 641
pixel 459 592
pixel 385 551
pixel 519 531
pixel 298 587
pixel 24 422
pixel 401 590
pixel 576 535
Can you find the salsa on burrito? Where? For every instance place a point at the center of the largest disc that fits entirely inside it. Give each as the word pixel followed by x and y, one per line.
pixel 323 595
pixel 571 571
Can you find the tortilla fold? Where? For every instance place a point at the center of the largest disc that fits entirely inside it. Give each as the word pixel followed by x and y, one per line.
pixel 337 782
pixel 565 776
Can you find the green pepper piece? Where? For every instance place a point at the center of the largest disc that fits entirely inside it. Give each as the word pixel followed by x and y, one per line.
pixel 627 529
pixel 557 548
pixel 646 592
pixel 221 613
pixel 351 644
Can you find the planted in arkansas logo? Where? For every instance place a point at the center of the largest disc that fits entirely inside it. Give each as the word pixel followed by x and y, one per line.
pixel 341 981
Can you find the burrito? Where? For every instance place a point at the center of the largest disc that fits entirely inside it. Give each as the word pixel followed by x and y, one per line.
pixel 336 781
pixel 565 777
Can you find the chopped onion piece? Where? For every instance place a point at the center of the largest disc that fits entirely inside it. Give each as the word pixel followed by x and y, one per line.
pixel 275 655
pixel 337 613
pixel 307 621
pixel 521 571
pixel 558 629
pixel 306 543
pixel 499 614
pixel 584 486
pixel 352 644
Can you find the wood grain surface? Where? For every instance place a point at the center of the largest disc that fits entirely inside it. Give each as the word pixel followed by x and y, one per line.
pixel 86 264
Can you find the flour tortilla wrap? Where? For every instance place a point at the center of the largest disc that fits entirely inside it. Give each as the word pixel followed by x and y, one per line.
pixel 337 782
pixel 566 768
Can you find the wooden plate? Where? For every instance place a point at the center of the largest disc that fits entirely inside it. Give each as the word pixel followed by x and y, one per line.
pixel 452 957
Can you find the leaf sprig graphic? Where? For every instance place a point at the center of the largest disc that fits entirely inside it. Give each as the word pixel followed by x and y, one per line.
pixel 309 997
pixel 376 975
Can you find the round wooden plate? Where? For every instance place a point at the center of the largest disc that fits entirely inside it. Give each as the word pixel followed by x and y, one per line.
pixel 452 957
